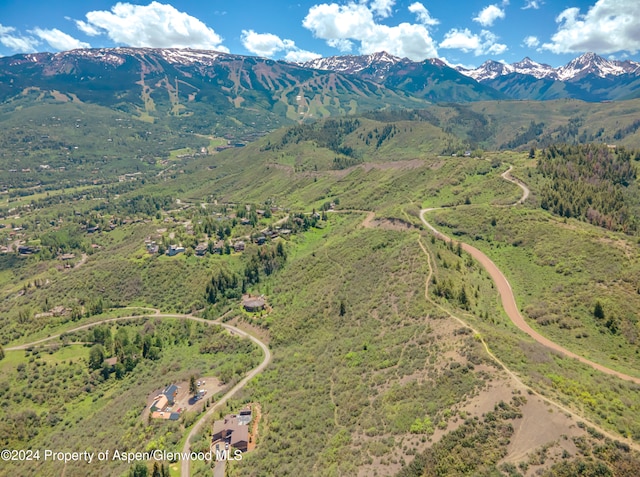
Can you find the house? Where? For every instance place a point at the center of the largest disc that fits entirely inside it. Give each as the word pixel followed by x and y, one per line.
pixel 159 403
pixel 254 304
pixel 175 250
pixel 171 416
pixel 27 250
pixel 201 249
pixel 152 247
pixel 231 431
pixel 171 392
pixel 218 247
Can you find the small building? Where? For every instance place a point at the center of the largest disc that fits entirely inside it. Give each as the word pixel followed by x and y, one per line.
pixel 27 250
pixel 239 246
pixel 218 247
pixel 171 416
pixel 244 416
pixel 261 240
pixel 254 304
pixel 94 229
pixel 201 249
pixel 175 250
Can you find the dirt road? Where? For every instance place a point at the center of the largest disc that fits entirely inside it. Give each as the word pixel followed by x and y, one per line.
pixel 185 463
pixel 506 293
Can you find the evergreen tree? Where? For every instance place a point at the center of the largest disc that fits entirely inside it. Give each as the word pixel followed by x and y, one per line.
pixel 598 311
pixel 193 387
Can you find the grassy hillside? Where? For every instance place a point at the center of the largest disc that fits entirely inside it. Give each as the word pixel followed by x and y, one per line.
pixel 370 366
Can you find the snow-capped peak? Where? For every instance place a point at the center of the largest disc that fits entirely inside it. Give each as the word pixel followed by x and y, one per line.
pixel 589 63
pixel 354 63
pixel 529 67
pixel 488 70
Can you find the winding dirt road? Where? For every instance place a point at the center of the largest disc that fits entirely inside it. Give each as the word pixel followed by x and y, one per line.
pixel 185 463
pixel 506 293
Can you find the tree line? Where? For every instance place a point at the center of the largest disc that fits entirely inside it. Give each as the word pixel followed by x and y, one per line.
pixel 589 182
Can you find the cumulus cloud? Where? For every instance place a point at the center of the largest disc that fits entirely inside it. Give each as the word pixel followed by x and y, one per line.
pixel 382 8
pixel 609 26
pixel 531 41
pixel 87 28
pixel 300 56
pixel 156 25
pixel 489 15
pixel 342 25
pixel 264 44
pixel 10 38
pixel 59 40
pixel 423 14
pixel 482 44
pixel 268 44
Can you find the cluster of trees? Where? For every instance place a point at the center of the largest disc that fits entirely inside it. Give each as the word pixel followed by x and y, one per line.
pixel 588 182
pixel 531 133
pixel 141 470
pixel 128 351
pixel 329 134
pixel 448 291
pixel 259 262
pixel 475 448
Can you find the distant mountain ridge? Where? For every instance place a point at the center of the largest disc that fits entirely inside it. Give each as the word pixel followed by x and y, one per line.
pixel 588 77
pixel 240 96
pixel 233 94
pixel 576 69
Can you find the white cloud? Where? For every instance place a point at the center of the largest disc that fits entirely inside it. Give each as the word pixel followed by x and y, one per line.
pixel 341 44
pixel 535 4
pixel 17 42
pixel 87 28
pixel 268 44
pixel 461 40
pixel 264 44
pixel 300 56
pixel 59 40
pixel 609 26
pixel 482 44
pixel 531 41
pixel 423 14
pixel 382 8
pixel 489 15
pixel 155 25
pixel 342 25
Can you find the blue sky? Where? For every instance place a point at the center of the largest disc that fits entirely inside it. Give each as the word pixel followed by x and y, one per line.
pixel 465 32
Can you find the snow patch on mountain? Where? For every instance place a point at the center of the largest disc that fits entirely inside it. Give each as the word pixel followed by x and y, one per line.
pixel 352 64
pixel 576 69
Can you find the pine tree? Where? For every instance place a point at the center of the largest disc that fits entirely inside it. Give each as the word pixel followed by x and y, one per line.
pixel 193 387
pixel 598 311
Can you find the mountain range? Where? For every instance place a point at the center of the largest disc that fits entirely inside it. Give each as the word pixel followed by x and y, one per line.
pixel 588 77
pixel 241 96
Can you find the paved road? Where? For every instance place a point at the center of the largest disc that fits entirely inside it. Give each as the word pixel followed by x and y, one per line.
pixel 506 293
pixel 185 464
